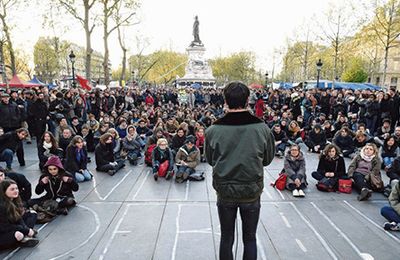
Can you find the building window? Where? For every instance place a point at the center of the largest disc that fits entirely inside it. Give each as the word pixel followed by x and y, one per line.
pixel 378 79
pixel 393 82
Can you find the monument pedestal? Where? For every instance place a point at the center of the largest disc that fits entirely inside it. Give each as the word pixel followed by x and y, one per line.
pixel 198 72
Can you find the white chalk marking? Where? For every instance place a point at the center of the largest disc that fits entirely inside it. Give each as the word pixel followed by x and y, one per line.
pixel 280 193
pixel 300 244
pixel 285 220
pixel 187 190
pixel 362 255
pixel 97 219
pixel 12 253
pixel 111 191
pixel 114 233
pixel 261 248
pixel 323 242
pixel 268 194
pixel 195 232
pixel 372 222
pixel 177 232
pixel 141 185
pixel 123 231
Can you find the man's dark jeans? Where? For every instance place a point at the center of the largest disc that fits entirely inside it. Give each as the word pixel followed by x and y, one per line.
pixel 249 213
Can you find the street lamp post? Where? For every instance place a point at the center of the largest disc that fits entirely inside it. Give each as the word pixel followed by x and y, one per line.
pixel 72 59
pixel 133 76
pixel 319 67
pixel 266 79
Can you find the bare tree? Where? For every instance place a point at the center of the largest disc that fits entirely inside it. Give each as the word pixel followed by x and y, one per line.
pixel 73 7
pixel 340 25
pixel 121 39
pixel 5 6
pixel 386 25
pixel 110 8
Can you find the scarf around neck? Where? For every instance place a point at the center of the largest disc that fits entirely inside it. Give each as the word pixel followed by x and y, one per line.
pixel 366 157
pixel 47 146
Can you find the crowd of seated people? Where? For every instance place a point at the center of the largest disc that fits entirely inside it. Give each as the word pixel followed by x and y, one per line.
pixel 157 127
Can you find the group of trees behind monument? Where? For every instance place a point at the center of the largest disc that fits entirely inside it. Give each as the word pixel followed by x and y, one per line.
pixel 350 52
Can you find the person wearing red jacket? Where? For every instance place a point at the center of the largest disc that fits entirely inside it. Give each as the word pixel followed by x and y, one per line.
pixel 260 108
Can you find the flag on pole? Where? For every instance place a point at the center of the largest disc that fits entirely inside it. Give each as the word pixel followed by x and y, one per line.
pixel 83 82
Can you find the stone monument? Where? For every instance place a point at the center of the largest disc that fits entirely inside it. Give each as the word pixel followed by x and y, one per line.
pixel 198 72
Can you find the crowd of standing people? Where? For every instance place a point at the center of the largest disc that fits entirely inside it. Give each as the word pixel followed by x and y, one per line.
pixel 167 130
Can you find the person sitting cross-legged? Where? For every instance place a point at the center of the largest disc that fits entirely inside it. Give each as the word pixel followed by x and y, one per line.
pixel 295 168
pixel 187 158
pixel 162 154
pixel 76 160
pixel 364 169
pixel 392 212
pixel 57 184
pixel 104 155
pixel 331 166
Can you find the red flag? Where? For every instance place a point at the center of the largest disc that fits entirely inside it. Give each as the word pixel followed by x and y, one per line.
pixel 83 82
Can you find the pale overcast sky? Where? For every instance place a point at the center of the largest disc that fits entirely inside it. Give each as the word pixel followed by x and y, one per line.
pixel 226 26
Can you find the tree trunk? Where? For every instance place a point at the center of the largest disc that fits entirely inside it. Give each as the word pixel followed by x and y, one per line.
pixel 105 41
pixel 124 50
pixel 385 66
pixel 9 44
pixel 89 50
pixel 3 74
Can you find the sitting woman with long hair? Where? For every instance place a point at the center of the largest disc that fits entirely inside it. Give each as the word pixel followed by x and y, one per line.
pixel 47 147
pixel 76 160
pixel 16 223
pixel 104 154
pixel 331 165
pixel 295 168
pixel 364 169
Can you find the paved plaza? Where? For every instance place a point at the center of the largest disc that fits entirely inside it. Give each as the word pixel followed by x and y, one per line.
pixel 130 216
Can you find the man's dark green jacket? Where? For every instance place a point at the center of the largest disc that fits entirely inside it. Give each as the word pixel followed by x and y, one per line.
pixel 238 146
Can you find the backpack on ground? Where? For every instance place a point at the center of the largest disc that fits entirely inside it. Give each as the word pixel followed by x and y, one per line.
pixel 147 154
pixel 345 185
pixel 280 182
pixel 326 184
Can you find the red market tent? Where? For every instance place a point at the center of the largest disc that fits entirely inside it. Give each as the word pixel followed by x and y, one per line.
pixel 16 82
pixel 256 86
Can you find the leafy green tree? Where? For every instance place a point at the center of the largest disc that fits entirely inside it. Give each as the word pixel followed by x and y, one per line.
pixel 238 66
pixel 355 72
pixel 45 58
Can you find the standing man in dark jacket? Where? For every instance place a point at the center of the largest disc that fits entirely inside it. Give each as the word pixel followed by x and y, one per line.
pixel 38 114
pixel 11 114
pixel 238 146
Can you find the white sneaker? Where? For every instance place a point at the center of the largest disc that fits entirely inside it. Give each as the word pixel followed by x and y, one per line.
pixel 295 193
pixel 301 193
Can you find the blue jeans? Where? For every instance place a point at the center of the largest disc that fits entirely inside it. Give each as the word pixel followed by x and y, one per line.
pixel 387 161
pixel 83 176
pixel 390 214
pixel 249 213
pixel 7 156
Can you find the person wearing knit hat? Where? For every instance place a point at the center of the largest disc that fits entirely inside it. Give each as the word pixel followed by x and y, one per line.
pixel 58 185
pixel 187 158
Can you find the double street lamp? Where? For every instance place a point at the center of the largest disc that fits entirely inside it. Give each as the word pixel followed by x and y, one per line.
pixel 319 67
pixel 72 59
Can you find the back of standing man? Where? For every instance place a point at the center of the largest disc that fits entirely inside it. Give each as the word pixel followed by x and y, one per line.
pixel 238 146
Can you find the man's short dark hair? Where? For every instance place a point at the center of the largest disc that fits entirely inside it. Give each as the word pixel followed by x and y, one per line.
pixel 236 95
